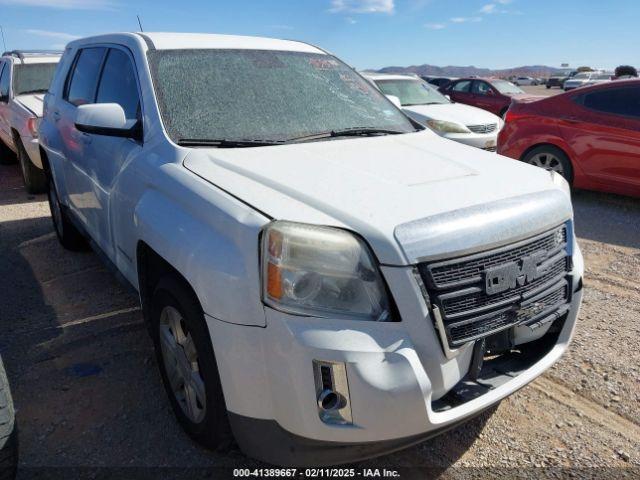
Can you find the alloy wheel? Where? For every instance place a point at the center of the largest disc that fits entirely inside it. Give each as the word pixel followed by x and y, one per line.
pixel 181 364
pixel 548 161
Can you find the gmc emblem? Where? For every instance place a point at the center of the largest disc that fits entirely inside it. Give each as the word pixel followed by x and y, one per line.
pixel 513 274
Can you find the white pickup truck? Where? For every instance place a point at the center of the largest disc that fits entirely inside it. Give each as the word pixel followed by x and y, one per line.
pixel 323 278
pixel 25 76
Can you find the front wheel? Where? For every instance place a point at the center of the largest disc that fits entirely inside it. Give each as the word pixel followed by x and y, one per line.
pixel 188 365
pixel 552 159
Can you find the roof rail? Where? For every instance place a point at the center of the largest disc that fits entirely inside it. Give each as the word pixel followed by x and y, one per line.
pixel 21 54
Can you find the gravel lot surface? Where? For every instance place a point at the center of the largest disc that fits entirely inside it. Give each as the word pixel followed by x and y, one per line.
pixel 88 392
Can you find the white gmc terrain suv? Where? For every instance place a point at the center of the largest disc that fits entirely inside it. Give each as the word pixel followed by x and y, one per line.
pixel 323 278
pixel 25 76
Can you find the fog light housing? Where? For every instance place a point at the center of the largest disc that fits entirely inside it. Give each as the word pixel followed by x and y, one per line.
pixel 332 392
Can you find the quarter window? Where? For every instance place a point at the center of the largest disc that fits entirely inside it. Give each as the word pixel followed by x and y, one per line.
pixel 82 87
pixel 118 84
pixel 462 86
pixel 617 101
pixel 480 88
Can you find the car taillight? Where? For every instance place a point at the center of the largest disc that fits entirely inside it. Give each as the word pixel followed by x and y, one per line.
pixel 32 125
pixel 512 116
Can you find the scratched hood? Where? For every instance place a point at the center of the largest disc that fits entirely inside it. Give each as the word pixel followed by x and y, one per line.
pixel 368 185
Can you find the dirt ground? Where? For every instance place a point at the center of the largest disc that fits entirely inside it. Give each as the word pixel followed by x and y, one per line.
pixel 88 392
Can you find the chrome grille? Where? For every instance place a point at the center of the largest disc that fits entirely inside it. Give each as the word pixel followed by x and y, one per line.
pixel 530 279
pixel 486 128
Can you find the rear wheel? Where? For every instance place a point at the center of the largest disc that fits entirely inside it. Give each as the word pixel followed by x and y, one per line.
pixel 67 233
pixel 188 365
pixel 8 431
pixel 552 159
pixel 34 178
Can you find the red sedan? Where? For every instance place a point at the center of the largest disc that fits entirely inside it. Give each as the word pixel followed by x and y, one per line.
pixel 590 135
pixel 489 94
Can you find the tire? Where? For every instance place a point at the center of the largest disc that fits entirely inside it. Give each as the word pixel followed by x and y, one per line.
pixel 7 157
pixel 550 158
pixel 68 235
pixel 180 333
pixel 35 181
pixel 548 87
pixel 8 431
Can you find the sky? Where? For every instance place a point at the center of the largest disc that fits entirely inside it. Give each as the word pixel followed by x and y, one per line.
pixel 364 33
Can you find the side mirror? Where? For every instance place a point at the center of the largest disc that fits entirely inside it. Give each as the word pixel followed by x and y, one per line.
pixel 395 100
pixel 106 119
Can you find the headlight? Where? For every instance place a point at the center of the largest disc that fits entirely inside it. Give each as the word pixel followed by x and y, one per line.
pixel 561 182
pixel 447 127
pixel 321 271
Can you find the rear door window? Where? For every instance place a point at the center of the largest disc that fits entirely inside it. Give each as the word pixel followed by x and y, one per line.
pixel 81 88
pixel 462 86
pixel 623 101
pixel 118 84
pixel 480 88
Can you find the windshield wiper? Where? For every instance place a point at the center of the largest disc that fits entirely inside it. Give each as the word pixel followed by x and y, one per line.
pixel 346 132
pixel 224 143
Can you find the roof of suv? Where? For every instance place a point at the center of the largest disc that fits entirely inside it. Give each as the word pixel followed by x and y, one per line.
pixel 33 56
pixel 193 41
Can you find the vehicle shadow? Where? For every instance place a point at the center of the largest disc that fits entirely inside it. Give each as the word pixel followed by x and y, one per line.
pixel 607 218
pixel 435 456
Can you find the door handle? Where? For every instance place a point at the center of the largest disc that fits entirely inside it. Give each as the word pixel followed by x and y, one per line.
pixel 86 138
pixel 56 115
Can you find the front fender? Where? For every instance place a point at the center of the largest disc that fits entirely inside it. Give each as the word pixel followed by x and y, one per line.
pixel 216 249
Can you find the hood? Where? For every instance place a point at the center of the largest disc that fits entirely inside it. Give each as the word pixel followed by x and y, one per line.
pixel 372 185
pixel 452 112
pixel 33 102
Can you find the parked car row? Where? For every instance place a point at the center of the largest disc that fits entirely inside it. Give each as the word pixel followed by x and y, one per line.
pixel 25 77
pixel 306 254
pixel 494 95
pixel 584 79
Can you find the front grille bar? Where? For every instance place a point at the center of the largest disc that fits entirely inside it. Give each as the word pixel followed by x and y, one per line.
pixel 531 286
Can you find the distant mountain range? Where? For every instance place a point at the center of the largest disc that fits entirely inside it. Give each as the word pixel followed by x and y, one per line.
pixel 453 71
